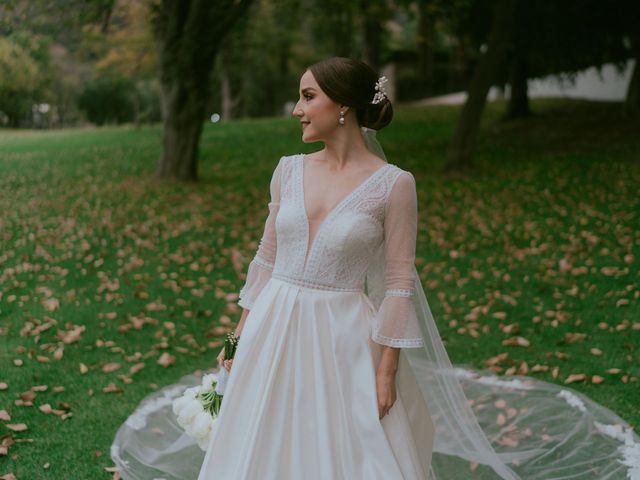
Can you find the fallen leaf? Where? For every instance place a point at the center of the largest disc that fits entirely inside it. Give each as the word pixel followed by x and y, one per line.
pixel 112 388
pixel 136 368
pixel 51 304
pixel 72 335
pixel 110 367
pixel 17 427
pixel 166 359
pixel 516 341
pixel 28 396
pixel 575 377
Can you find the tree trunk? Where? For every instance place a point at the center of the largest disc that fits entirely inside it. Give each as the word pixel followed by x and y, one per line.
pixel 457 64
pixel 499 43
pixel 225 91
pixel 518 79
pixel 343 26
pixel 632 100
pixel 373 13
pixel 188 33
pixel 518 68
pixel 182 129
pixel 136 106
pixel 225 85
pixel 424 43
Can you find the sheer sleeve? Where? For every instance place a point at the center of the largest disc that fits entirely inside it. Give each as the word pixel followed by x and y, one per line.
pixel 260 268
pixel 396 323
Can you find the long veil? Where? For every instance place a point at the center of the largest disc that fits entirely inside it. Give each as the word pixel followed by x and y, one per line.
pixel 458 432
pixel 486 427
pixel 521 450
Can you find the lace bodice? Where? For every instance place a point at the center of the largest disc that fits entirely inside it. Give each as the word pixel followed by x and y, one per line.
pixel 378 214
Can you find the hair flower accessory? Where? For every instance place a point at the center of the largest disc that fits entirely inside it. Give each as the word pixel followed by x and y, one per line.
pixel 381 92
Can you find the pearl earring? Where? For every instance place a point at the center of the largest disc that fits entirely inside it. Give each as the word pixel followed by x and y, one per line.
pixel 341 119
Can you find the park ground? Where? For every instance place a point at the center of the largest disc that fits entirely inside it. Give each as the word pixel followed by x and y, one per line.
pixel 113 285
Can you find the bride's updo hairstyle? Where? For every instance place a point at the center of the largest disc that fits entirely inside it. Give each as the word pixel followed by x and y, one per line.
pixel 351 82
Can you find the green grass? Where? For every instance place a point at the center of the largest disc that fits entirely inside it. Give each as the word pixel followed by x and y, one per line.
pixel 149 267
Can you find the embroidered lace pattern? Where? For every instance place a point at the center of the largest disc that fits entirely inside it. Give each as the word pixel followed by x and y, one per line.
pixel 380 211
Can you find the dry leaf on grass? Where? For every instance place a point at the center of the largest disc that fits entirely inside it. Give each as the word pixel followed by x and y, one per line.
pixel 516 341
pixel 112 388
pixel 17 427
pixel 166 359
pixel 575 377
pixel 110 367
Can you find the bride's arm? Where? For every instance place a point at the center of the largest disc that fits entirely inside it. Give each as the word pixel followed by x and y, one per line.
pixel 396 324
pixel 261 267
pixel 240 325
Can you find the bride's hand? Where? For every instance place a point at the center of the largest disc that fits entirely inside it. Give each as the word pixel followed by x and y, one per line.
pixel 386 391
pixel 222 362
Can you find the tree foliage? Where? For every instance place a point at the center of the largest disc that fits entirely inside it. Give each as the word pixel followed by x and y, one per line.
pixel 108 100
pixel 19 79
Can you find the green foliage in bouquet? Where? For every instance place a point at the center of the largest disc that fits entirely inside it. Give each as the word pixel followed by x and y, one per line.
pixel 211 400
pixel 230 345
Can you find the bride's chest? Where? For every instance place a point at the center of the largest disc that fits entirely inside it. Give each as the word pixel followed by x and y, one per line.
pixel 354 226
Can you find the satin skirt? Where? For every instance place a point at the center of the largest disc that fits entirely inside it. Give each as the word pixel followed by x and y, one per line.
pixel 301 403
pixel 301 398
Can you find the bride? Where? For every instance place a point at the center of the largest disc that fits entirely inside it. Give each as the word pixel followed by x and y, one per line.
pixel 340 372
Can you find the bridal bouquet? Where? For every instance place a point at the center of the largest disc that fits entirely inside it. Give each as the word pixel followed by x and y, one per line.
pixel 197 409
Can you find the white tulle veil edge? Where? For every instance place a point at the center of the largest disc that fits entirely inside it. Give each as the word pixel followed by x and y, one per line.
pixel 434 372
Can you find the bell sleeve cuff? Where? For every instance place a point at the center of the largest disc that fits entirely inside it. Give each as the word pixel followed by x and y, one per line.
pixel 258 274
pixel 396 323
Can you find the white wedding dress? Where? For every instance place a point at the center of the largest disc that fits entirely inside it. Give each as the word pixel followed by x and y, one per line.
pixel 301 403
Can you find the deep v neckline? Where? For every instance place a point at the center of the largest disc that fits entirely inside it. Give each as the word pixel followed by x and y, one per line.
pixel 335 208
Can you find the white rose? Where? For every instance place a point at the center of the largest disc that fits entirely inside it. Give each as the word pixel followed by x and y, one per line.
pixel 201 424
pixel 187 414
pixel 180 403
pixel 208 380
pixel 203 442
pixel 192 392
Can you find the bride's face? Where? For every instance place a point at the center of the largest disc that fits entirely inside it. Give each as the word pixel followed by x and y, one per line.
pixel 318 114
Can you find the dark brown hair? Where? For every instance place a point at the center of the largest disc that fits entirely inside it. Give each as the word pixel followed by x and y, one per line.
pixel 352 83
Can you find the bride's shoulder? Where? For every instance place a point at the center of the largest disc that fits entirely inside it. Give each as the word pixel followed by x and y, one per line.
pixel 402 182
pixel 286 160
pixel 399 174
pixel 289 159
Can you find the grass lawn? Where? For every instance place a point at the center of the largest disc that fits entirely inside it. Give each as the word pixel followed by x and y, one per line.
pixel 112 285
